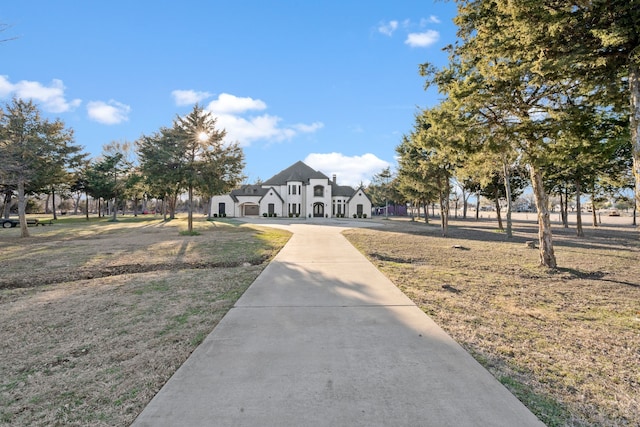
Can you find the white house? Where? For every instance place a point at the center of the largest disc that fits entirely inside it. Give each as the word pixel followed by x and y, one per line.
pixel 297 191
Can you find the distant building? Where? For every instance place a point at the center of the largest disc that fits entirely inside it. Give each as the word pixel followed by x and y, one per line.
pixel 297 191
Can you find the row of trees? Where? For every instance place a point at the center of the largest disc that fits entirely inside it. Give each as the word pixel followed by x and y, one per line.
pixel 40 157
pixel 545 86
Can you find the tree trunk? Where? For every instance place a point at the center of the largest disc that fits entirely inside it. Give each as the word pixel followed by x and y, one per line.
pixel 498 213
pixel 478 207
pixel 76 205
pixel 7 205
pixel 547 256
pixel 171 205
pixel 565 216
pixel 114 209
pixel 507 189
pixel 46 203
pixel 425 206
pixel 634 124
pixel 22 211
pixel 465 204
pixel 579 230
pixel 164 207
pixel 444 215
pixel 444 207
pixel 53 203
pixel 86 214
pixel 190 210
pixel 593 210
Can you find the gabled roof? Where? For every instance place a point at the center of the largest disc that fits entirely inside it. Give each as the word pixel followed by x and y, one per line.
pixel 358 190
pixel 275 191
pixel 341 190
pixel 299 171
pixel 248 190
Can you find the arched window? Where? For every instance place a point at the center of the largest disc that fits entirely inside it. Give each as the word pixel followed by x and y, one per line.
pixel 318 191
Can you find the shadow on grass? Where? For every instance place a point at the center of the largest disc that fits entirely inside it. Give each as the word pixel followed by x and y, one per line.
pixel 593 275
pixel 618 238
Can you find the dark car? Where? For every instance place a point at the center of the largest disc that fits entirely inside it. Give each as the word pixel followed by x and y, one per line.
pixel 8 223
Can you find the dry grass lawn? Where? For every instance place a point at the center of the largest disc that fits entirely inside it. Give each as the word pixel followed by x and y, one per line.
pixel 565 341
pixel 97 316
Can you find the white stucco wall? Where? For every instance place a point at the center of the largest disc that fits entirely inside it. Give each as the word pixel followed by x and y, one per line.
pixel 359 199
pixel 325 199
pixel 229 205
pixel 271 197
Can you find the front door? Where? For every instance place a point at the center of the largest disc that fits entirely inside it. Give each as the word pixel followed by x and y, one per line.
pixel 318 210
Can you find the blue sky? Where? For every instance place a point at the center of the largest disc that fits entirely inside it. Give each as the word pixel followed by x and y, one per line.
pixel 332 83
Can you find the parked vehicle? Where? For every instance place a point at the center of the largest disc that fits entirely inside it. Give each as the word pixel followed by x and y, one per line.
pixel 8 223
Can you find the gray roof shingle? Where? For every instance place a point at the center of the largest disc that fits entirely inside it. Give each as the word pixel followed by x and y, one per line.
pixel 299 171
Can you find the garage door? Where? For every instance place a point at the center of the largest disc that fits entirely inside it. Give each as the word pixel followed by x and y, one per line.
pixel 251 210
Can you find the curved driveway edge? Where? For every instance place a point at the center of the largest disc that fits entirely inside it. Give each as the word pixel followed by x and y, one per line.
pixel 322 338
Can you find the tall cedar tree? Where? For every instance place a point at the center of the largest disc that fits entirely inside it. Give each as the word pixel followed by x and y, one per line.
pixel 32 149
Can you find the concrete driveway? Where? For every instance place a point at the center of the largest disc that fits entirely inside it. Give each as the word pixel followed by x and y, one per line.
pixel 322 338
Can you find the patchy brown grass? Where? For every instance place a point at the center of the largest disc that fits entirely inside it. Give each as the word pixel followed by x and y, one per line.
pixel 565 341
pixel 97 316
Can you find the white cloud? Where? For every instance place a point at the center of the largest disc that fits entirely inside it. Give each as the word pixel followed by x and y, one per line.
pixel 425 39
pixel 230 112
pixel 308 128
pixel 51 97
pixel 231 104
pixel 189 97
pixel 5 87
pixel 349 170
pixel 108 113
pixel 388 28
pixel 430 20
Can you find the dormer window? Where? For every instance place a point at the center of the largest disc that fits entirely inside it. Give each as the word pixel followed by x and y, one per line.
pixel 318 191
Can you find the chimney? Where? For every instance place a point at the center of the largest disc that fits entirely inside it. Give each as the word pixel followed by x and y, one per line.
pixel 334 178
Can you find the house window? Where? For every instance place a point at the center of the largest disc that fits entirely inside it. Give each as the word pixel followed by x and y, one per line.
pixel 338 208
pixel 294 189
pixel 299 190
pixel 318 191
pixel 359 209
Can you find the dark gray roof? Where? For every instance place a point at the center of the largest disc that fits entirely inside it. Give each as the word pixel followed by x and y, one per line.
pixel 299 171
pixel 249 190
pixel 341 190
